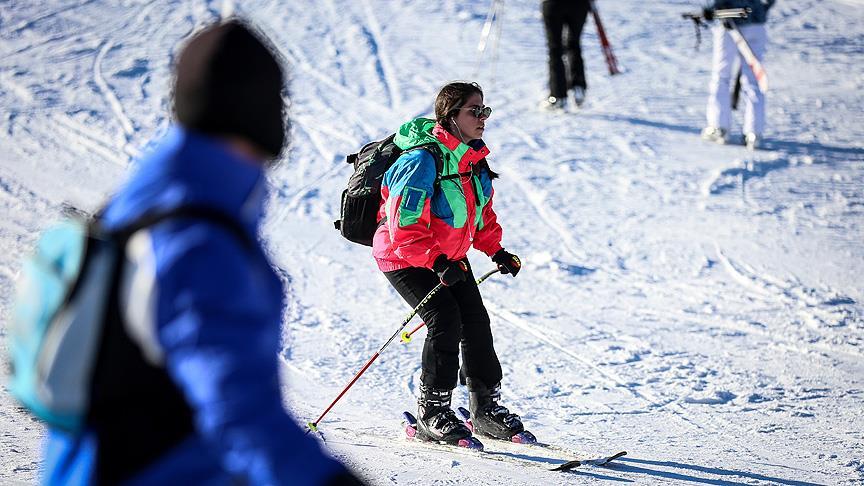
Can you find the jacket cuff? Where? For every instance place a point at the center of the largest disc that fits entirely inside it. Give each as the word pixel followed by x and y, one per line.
pixel 495 249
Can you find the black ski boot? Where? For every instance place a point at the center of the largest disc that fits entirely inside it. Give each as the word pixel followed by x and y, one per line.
pixel 488 417
pixel 436 421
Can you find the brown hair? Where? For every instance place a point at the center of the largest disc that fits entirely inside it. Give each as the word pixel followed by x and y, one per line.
pixel 452 97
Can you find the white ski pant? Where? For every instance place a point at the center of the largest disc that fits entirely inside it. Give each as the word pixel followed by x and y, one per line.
pixel 719 111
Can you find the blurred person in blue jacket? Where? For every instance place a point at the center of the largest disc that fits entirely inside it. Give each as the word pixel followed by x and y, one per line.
pixel 719 111
pixel 187 390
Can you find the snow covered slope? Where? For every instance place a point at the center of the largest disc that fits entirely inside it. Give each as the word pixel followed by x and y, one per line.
pixel 699 306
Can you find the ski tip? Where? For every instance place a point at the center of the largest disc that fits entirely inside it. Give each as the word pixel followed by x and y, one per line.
pixel 588 462
pixel 409 417
pixel 471 443
pixel 524 437
pixel 410 424
pixel 464 412
pixel 567 466
pixel 604 461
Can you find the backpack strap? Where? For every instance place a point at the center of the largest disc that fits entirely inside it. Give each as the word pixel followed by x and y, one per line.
pixel 156 412
pixel 456 176
pixel 435 151
pixel 194 212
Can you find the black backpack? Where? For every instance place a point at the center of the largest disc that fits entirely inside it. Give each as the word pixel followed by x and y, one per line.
pixel 362 198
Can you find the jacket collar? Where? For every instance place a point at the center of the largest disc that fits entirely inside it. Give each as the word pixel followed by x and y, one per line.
pixel 468 155
pixel 189 168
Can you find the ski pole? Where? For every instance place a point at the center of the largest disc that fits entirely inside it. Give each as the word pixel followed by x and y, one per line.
pixel 725 13
pixel 406 335
pixel 698 23
pixel 487 27
pixel 736 91
pixel 611 61
pixel 313 426
pixel 493 21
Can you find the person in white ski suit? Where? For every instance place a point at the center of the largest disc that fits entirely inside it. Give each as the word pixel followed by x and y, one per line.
pixel 719 112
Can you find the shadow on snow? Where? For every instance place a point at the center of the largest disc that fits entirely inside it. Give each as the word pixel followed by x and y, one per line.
pixel 745 477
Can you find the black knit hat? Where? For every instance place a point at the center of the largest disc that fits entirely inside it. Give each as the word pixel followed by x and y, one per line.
pixel 229 81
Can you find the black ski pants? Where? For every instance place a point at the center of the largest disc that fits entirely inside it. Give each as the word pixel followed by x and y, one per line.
pixel 454 316
pixel 556 15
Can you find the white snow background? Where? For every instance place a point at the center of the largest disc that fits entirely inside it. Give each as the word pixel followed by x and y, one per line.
pixel 699 306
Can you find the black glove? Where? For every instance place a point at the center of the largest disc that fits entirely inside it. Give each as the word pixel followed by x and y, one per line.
pixel 449 272
pixel 507 262
pixel 708 13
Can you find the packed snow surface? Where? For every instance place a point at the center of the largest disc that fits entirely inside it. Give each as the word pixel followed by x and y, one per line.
pixel 699 306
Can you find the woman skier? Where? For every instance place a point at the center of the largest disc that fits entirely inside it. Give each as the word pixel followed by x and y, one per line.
pixel 429 220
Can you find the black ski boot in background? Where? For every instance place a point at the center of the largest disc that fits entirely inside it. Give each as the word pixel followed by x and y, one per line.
pixel 436 420
pixel 487 416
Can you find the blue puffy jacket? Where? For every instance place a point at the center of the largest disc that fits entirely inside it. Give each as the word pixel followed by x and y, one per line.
pixel 208 309
pixel 758 9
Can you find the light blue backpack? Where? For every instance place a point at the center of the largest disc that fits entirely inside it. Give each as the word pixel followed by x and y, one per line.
pixel 62 307
pixel 57 321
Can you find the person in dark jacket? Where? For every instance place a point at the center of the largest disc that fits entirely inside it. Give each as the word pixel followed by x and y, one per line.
pixel 719 110
pixel 429 222
pixel 558 14
pixel 187 390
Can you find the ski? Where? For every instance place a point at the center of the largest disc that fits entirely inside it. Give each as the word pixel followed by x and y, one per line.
pixel 611 61
pixel 748 55
pixel 719 14
pixel 731 13
pixel 600 461
pixel 553 463
pixel 727 16
pixel 529 440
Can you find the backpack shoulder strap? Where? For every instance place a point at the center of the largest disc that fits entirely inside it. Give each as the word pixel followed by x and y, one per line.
pixel 195 212
pixel 435 151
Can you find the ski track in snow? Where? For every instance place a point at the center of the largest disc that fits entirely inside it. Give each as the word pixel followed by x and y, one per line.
pixel 715 424
pixel 388 74
pixel 693 304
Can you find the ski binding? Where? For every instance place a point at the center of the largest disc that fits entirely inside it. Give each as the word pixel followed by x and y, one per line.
pixel 523 437
pixel 412 433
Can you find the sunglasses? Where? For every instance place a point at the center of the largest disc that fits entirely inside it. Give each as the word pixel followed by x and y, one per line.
pixel 479 111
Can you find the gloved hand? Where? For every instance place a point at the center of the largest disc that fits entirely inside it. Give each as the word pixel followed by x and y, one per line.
pixel 449 272
pixel 507 262
pixel 708 14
